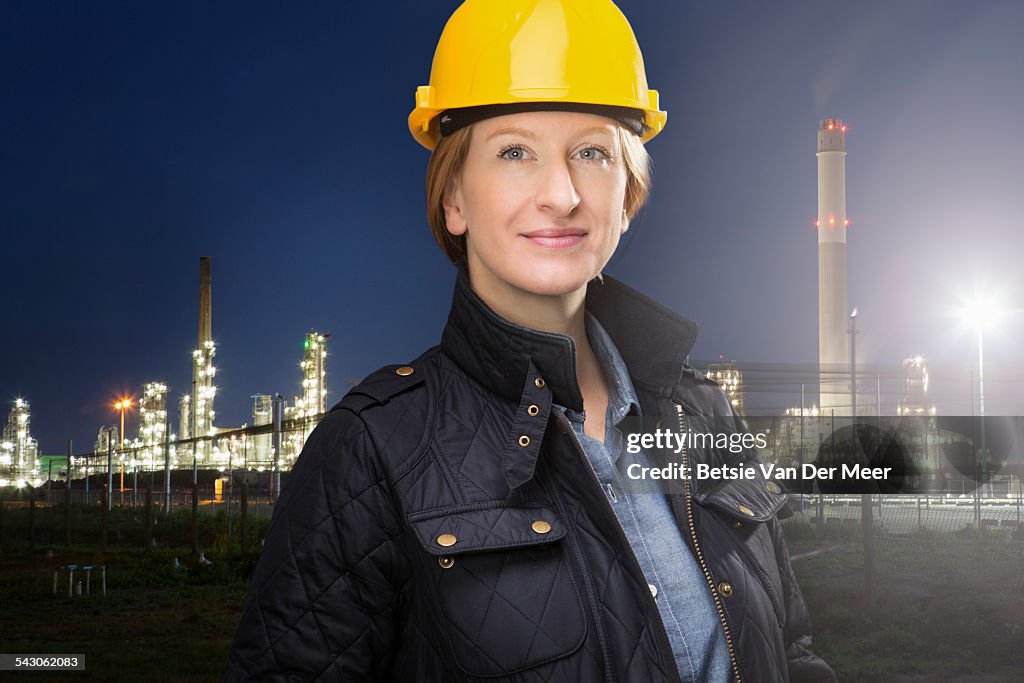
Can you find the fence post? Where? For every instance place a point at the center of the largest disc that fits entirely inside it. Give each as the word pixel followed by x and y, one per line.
pixel 195 519
pixel 867 531
pixel 167 464
pixel 278 441
pixel 1020 490
pixel 110 470
pixel 242 517
pixel 149 518
pixel 105 499
pixel 67 516
pixel 67 499
pixel 31 516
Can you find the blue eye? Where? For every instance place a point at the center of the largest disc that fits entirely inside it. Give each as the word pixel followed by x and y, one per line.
pixel 594 154
pixel 512 153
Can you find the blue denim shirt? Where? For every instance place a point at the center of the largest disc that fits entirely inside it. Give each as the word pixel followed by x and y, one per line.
pixel 675 579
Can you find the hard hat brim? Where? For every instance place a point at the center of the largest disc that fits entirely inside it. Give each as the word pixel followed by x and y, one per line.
pixel 427 131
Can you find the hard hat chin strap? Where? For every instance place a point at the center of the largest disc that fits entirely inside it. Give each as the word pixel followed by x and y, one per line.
pixel 452 120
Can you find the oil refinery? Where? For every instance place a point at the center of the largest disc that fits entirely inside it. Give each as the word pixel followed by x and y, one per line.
pixel 186 438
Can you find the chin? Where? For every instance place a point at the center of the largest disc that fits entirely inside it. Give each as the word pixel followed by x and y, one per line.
pixel 556 279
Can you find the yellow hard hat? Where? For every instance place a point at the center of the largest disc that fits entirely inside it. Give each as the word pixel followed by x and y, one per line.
pixel 536 54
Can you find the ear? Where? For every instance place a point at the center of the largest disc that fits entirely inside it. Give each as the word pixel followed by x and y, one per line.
pixel 454 219
pixel 625 223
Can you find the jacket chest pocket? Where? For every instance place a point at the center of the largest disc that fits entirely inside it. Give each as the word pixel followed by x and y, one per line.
pixel 503 581
pixel 739 511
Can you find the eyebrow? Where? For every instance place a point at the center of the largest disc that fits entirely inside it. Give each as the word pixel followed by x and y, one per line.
pixel 528 134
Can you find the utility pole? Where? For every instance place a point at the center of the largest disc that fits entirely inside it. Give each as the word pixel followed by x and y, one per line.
pixel 275 483
pixel 167 461
pixel 110 462
pixel 866 513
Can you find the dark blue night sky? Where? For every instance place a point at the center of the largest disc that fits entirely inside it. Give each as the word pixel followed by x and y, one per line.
pixel 272 137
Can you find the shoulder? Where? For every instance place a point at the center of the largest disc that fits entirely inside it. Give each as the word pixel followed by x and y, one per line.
pixel 392 405
pixel 391 385
pixel 701 394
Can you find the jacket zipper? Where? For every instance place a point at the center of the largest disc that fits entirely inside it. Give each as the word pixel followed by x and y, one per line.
pixel 606 658
pixel 688 498
pixel 664 642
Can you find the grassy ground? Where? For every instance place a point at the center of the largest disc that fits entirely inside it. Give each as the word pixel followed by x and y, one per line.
pixel 157 622
pixel 947 607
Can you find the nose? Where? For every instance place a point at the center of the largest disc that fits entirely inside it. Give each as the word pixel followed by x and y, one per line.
pixel 556 191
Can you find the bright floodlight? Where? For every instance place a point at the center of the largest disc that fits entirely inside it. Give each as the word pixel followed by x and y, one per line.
pixel 981 312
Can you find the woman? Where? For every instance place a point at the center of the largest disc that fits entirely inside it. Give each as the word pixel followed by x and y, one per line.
pixel 465 517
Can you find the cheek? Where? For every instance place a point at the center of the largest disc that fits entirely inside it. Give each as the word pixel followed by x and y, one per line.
pixel 611 197
pixel 490 204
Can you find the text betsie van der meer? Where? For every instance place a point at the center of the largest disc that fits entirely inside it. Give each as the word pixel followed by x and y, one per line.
pixel 734 443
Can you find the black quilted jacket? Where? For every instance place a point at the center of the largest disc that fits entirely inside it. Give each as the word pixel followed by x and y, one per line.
pixel 442 525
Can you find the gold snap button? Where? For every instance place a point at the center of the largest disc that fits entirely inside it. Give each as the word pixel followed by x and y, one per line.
pixel 533 410
pixel 539 383
pixel 446 562
pixel 725 588
pixel 446 540
pixel 524 441
pixel 745 510
pixel 772 486
pixel 404 371
pixel 541 527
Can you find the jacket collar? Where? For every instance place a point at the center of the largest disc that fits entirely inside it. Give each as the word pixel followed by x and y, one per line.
pixel 653 340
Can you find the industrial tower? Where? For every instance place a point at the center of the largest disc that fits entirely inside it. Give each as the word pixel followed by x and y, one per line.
pixel 203 371
pixel 306 411
pixel 833 343
pixel 915 388
pixel 18 450
pixel 152 431
pixel 314 374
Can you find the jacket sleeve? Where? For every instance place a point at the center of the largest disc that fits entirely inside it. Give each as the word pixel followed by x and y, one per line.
pixel 324 596
pixel 804 665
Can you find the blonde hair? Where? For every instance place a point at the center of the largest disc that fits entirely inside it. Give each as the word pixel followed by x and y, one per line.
pixel 449 157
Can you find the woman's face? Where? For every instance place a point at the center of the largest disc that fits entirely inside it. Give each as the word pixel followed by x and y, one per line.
pixel 540 201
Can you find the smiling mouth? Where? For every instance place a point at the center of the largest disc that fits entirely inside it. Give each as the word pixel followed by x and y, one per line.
pixel 556 239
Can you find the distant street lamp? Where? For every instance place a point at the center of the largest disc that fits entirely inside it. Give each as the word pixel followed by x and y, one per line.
pixel 122 405
pixel 982 312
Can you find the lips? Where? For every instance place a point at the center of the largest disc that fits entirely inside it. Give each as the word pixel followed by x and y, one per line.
pixel 556 238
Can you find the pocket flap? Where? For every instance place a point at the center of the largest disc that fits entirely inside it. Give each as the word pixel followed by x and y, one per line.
pixel 751 500
pixel 459 530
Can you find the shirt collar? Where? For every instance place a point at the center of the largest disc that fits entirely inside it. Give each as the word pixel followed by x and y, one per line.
pixel 652 340
pixel 622 399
